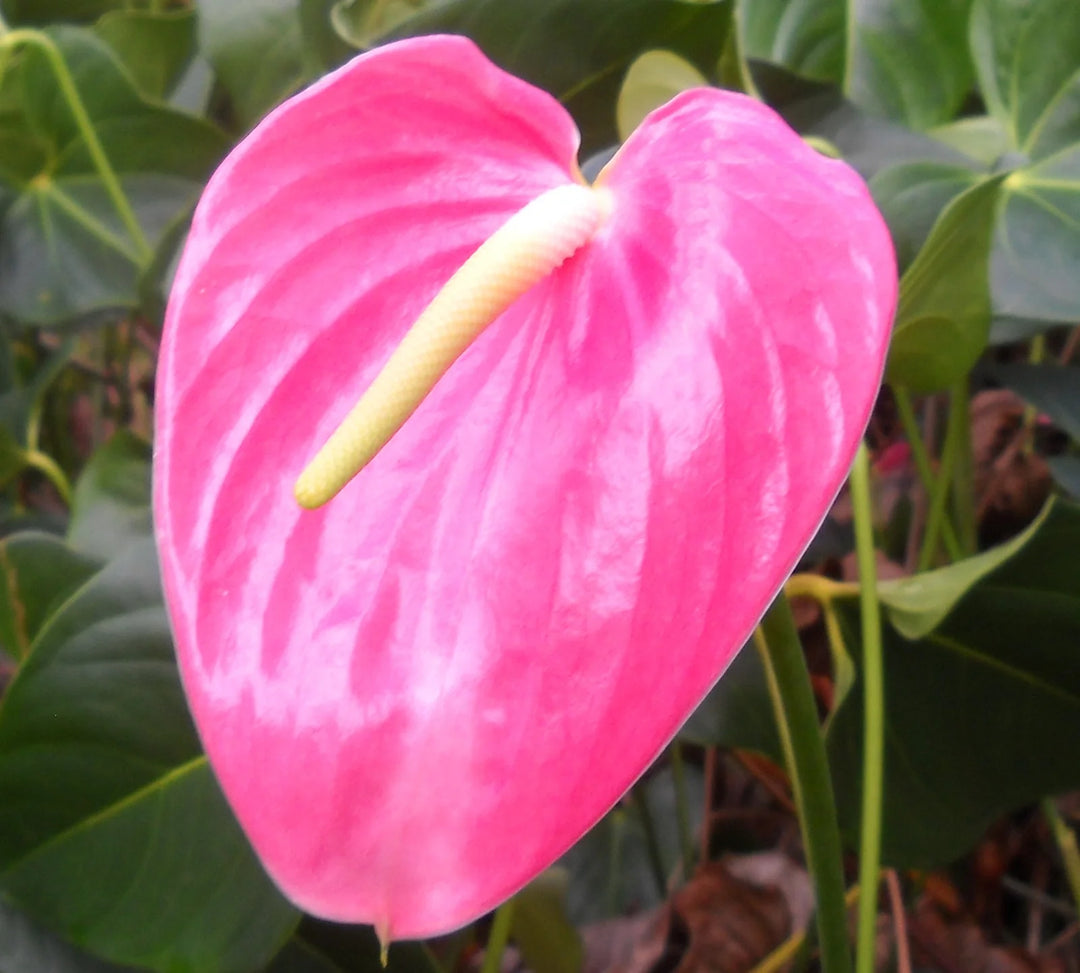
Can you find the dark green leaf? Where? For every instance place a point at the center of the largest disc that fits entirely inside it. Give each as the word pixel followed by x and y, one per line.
pixel 900 59
pixel 943 317
pixel 976 712
pixel 256 49
pixel 738 712
pixel 105 799
pixel 1037 242
pixel 579 50
pixel 1027 55
pixel 540 929
pixel 112 498
pixel 1052 389
pixel 869 144
pixel 41 12
pixel 168 882
pixel 28 947
pixel 64 250
pixel 362 22
pixel 154 47
pixel 37 573
pixel 1066 471
pixel 355 949
pixel 323 47
pixel 911 197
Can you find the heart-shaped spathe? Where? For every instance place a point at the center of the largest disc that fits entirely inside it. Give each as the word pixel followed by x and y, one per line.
pixel 419 695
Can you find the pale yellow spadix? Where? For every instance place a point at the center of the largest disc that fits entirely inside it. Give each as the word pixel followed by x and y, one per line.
pixel 522 252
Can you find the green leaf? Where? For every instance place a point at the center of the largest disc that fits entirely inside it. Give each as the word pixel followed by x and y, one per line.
pixel 869 144
pixel 64 251
pixel 1027 57
pixel 1037 240
pixel 362 22
pixel 257 52
pixel 101 775
pixel 911 197
pixel 154 47
pixel 738 712
pixel 42 12
pixel 220 915
pixel 350 949
pixel 596 41
pixel 900 59
pixel 1053 389
pixel 980 711
pixel 943 317
pixel 28 947
pixel 323 47
pixel 653 80
pixel 37 573
pixel 981 137
pixel 540 929
pixel 1066 471
pixel 111 508
pixel 917 605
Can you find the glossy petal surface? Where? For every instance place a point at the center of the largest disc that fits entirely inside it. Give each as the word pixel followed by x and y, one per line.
pixel 419 695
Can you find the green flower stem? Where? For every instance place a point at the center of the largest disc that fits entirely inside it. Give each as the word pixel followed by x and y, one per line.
pixel 777 640
pixel 498 937
pixel 1065 838
pixel 963 493
pixel 49 468
pixel 939 495
pixel 874 714
pixel 35 38
pixel 682 807
pixel 922 463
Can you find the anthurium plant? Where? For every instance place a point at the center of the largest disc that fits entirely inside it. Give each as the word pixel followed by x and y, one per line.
pixel 413 415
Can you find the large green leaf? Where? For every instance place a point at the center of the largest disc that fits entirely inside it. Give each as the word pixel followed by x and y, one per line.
pixel 943 316
pixel 579 50
pixel 154 47
pixel 37 573
pixel 257 52
pixel 901 59
pixel 1027 56
pixel 175 884
pixel 101 775
pixel 28 947
pixel 111 508
pixel 868 143
pixel 1037 241
pixel 979 713
pixel 65 252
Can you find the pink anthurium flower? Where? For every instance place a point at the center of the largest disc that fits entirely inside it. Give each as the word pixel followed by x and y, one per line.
pixel 419 694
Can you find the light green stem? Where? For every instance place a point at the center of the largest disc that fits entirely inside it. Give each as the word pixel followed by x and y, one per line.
pixel 682 807
pixel 1065 838
pixel 44 43
pixel 48 467
pixel 922 463
pixel 963 477
pixel 498 937
pixel 777 640
pixel 874 715
pixel 939 495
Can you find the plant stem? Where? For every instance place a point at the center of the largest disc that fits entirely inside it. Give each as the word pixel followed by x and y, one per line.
pixel 682 807
pixel 922 463
pixel 939 495
pixel 1065 838
pixel 804 750
pixel 785 952
pixel 498 937
pixel 963 468
pixel 44 43
pixel 49 468
pixel 874 715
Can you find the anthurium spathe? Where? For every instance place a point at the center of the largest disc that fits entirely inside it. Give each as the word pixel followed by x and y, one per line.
pixel 419 694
